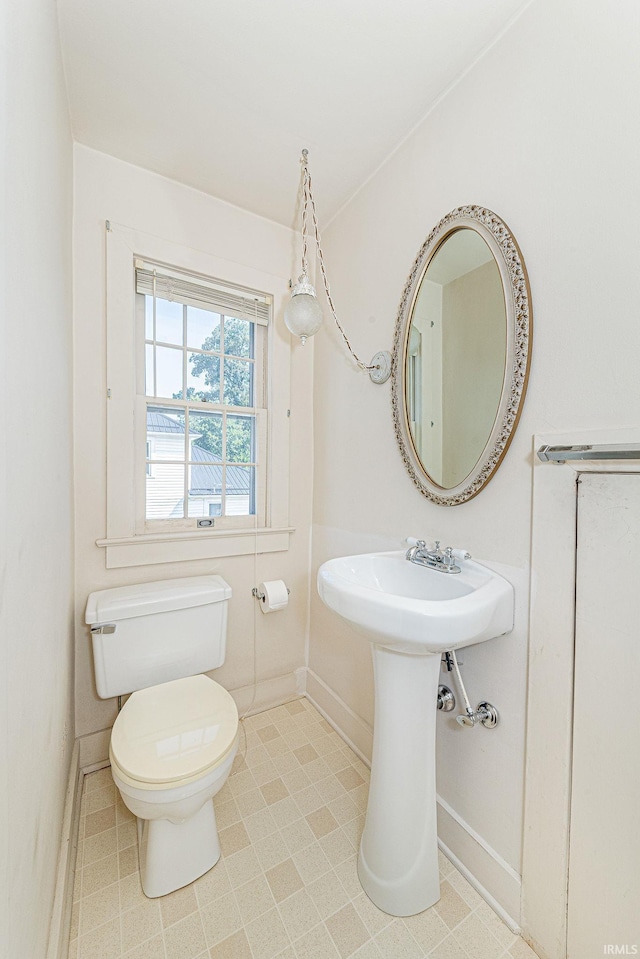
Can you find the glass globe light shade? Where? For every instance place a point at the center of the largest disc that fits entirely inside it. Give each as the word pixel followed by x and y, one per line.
pixel 302 315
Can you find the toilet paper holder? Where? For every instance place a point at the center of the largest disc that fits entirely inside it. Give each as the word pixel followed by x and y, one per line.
pixel 258 595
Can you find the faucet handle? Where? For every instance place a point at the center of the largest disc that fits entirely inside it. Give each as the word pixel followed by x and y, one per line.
pixel 461 554
pixel 412 541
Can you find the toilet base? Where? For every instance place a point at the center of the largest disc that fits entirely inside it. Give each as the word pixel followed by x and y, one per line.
pixel 174 854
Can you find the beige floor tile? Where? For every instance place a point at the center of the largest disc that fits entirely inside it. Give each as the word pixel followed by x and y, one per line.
pixel 451 908
pixel 445 866
pixel 317 770
pixel 321 822
pixel 374 919
pixel 100 799
pixel 259 825
pixel 305 754
pixel 316 944
pixel 308 800
pixel 360 796
pixel 185 939
pixel 177 905
pixel 464 889
pixel 297 835
pixel 296 780
pixel 299 914
pixel 131 893
pixel 220 919
pixel 496 926
pixel 250 801
pixel 449 948
pixel 277 747
pixel 329 789
pixel 396 940
pixel 242 866
pixel 369 951
pixel 99 874
pixel 473 936
pixel 127 861
pixel 233 838
pixel 75 921
pixel 254 899
pixel 100 845
pixel 284 879
pixel 274 791
pixel 265 773
pixel 235 947
pixel 267 935
pixel 213 884
pixel 99 821
pixel 354 829
pixel 285 763
pixel 347 873
pixel 285 812
pixel 101 943
pixel 256 756
pixel 151 949
pixel 336 760
pixel 427 928
pixel 295 706
pixel 343 808
pixel 336 847
pixel 241 783
pixel 347 931
pixel 227 813
pixel 311 862
pixel 268 733
pixel 99 908
pixel 328 894
pixel 270 851
pixel 141 923
pixel 127 834
pixel 350 778
pixel 98 779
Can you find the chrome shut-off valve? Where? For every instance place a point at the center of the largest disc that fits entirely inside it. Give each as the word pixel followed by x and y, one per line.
pixel 485 714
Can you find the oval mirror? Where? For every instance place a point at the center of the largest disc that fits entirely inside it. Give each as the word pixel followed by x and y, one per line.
pixel 461 355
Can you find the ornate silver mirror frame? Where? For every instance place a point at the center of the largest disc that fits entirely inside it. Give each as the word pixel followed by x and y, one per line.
pixel 517 297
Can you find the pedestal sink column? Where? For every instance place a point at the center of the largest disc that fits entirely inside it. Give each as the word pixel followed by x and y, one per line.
pixel 398 861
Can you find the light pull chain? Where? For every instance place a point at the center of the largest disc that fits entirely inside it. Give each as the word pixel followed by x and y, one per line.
pixel 309 200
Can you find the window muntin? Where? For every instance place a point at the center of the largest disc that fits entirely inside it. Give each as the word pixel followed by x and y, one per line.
pixel 203 389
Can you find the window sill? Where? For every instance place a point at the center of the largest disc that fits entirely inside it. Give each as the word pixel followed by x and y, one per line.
pixel 151 548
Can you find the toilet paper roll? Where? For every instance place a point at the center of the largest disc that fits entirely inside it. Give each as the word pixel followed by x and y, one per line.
pixel 275 595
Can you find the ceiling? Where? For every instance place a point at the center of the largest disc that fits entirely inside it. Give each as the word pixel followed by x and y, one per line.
pixel 223 94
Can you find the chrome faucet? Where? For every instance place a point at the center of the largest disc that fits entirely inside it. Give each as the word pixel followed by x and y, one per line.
pixel 444 560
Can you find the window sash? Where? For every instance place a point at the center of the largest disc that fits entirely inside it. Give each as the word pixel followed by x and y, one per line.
pixel 145 524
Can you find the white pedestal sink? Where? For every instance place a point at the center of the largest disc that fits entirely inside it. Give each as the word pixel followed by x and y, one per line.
pixel 411 615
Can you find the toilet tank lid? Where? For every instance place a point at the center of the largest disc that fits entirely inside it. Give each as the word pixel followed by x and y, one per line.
pixel 126 602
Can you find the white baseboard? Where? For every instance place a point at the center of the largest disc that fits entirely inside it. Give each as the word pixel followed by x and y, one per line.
pixel 267 694
pixel 484 868
pixel 94 749
pixel 58 946
pixel 355 732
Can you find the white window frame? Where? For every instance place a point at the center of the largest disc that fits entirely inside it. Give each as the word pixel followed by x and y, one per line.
pixel 259 410
pixel 130 539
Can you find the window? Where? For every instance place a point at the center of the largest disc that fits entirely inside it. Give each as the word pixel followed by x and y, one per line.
pixel 201 356
pixel 195 365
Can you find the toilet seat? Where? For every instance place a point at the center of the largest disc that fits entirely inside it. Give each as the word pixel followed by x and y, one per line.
pixel 174 733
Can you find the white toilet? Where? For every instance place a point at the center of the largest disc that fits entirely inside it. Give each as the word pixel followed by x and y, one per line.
pixel 175 739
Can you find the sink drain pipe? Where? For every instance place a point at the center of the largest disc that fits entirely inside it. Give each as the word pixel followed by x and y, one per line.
pixel 485 712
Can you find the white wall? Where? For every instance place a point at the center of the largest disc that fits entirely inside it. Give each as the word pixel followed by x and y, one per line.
pixel 106 188
pixel 36 526
pixel 541 131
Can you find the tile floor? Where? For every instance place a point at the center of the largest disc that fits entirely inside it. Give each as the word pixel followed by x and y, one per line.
pixel 290 818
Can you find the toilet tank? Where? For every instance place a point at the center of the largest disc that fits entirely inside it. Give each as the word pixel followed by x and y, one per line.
pixel 151 633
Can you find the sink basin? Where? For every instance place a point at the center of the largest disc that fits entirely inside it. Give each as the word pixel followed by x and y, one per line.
pixel 411 615
pixel 413 608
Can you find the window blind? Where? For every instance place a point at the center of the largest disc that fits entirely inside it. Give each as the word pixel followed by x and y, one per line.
pixel 203 294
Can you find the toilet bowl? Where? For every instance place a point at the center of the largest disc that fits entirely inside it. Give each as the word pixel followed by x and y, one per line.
pixel 172 748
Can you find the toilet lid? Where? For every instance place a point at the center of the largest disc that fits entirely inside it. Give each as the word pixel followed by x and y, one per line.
pixel 175 730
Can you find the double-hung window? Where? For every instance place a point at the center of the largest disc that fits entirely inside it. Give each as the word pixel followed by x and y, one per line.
pixel 201 417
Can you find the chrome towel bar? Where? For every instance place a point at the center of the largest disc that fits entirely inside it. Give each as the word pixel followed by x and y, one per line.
pixel 601 451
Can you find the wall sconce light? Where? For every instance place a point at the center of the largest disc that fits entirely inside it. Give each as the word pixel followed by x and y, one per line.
pixel 302 315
